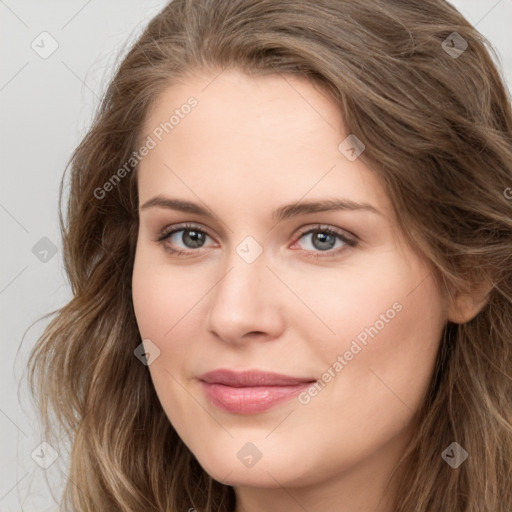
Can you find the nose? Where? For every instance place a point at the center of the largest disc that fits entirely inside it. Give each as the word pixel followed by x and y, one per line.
pixel 247 302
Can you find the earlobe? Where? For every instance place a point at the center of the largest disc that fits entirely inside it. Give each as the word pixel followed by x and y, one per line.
pixel 465 305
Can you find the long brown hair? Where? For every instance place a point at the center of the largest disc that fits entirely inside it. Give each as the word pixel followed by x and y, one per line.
pixel 437 126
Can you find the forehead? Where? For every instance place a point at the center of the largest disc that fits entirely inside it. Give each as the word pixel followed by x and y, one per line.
pixel 252 137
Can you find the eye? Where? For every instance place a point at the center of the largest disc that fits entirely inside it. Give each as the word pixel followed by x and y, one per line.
pixel 191 236
pixel 322 239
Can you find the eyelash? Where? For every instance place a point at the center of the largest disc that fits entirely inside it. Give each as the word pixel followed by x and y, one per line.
pixel 164 235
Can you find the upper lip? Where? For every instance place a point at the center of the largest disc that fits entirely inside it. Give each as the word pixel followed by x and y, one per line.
pixel 251 378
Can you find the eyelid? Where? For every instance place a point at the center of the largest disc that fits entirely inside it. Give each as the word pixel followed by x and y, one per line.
pixel 164 233
pixel 343 233
pixel 167 231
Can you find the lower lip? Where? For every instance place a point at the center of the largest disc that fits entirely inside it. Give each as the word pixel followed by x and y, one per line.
pixel 250 400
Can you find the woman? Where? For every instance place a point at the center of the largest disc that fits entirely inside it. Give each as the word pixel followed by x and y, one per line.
pixel 290 247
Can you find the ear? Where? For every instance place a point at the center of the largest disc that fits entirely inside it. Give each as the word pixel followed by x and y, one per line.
pixel 463 306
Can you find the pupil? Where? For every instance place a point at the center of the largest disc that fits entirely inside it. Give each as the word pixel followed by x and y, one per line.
pixel 196 237
pixel 326 241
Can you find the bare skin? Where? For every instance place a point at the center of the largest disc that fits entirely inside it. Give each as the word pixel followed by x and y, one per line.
pixel 250 146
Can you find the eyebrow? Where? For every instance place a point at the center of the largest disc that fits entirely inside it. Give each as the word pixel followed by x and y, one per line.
pixel 282 213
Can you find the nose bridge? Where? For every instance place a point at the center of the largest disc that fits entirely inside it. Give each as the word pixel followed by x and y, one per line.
pixel 243 300
pixel 246 274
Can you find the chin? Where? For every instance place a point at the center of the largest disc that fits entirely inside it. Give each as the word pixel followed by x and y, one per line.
pixel 274 470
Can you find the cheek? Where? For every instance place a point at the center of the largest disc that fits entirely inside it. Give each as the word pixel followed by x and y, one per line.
pixel 161 294
pixel 383 296
pixel 168 301
pixel 388 338
pixel 162 303
pixel 386 317
pixel 380 382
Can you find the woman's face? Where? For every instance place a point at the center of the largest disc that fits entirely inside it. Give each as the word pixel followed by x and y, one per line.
pixel 258 289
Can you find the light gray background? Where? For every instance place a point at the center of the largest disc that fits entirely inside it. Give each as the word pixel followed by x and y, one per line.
pixel 46 107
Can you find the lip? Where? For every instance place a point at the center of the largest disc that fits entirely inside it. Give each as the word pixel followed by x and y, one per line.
pixel 252 391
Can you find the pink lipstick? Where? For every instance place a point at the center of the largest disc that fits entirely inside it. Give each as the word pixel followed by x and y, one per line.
pixel 250 392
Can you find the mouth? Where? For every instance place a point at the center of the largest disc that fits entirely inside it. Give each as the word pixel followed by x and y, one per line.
pixel 250 392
